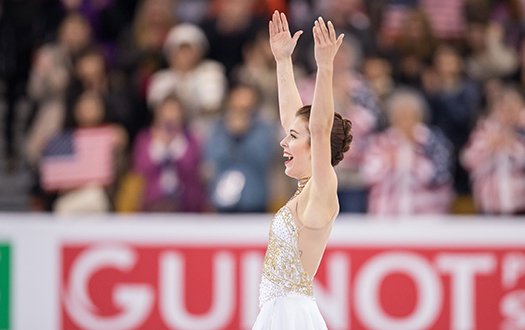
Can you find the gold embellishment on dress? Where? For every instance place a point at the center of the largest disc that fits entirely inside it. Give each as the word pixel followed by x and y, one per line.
pixel 283 272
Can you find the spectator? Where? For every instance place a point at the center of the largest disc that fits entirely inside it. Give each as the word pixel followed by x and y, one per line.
pixel 510 14
pixel 49 79
pixel 141 45
pixel 199 83
pixel 167 156
pixel 408 165
pixel 351 18
pixel 495 156
pixel 488 55
pixel 446 18
pixel 455 102
pixel 413 48
pixel 105 18
pixel 82 163
pixel 258 69
pixel 91 74
pixel 387 17
pixel 239 154
pixel 23 26
pixel 377 71
pixel 233 23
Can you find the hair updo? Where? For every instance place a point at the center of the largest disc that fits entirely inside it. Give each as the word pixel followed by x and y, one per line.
pixel 340 137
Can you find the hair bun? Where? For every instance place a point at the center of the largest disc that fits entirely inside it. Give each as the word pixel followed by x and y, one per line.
pixel 347 127
pixel 341 138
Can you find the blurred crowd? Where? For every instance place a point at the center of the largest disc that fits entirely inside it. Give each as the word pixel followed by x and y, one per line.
pixel 171 105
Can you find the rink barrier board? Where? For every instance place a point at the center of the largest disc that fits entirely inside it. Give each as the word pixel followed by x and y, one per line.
pixel 202 272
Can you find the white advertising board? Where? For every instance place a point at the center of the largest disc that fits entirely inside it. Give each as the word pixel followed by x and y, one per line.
pixel 202 272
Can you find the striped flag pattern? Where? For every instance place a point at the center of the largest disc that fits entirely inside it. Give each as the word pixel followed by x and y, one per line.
pixel 79 157
pixel 408 178
pixel 497 173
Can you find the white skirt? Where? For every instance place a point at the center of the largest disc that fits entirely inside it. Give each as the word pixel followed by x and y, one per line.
pixel 290 313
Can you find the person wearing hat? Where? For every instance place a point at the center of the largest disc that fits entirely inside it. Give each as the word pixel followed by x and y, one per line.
pixel 198 82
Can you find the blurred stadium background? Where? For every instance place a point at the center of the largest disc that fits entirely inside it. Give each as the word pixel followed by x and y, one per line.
pixel 140 162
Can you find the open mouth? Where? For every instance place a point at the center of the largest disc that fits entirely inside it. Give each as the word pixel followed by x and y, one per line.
pixel 288 158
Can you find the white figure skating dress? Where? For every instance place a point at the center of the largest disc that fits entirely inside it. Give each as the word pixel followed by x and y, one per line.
pixel 286 294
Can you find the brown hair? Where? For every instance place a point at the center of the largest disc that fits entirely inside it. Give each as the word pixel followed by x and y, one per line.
pixel 340 137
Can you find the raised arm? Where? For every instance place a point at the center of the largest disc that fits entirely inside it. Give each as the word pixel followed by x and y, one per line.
pixel 324 181
pixel 283 45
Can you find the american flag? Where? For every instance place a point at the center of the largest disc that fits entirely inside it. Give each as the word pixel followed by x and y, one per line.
pixel 79 157
pixel 497 172
pixel 408 178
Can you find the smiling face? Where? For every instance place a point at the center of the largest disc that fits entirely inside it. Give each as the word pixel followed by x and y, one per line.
pixel 296 150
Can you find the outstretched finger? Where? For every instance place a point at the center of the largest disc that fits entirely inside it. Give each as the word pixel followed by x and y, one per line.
pixel 322 22
pixel 323 32
pixel 331 30
pixel 285 22
pixel 340 39
pixel 315 32
pixel 271 29
pixel 276 22
pixel 297 35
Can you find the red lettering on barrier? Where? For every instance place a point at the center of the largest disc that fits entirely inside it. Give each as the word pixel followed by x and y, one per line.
pixel 122 286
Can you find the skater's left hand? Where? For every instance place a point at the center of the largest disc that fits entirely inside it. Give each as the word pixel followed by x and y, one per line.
pixel 326 43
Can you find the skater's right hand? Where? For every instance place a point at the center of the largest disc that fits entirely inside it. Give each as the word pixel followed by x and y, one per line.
pixel 281 41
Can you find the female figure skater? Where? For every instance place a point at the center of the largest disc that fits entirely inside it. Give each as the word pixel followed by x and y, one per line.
pixel 316 139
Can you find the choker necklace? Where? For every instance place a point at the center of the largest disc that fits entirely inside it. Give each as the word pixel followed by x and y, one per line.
pixel 301 183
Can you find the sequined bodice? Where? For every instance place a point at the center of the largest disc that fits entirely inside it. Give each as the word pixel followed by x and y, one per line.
pixel 283 272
